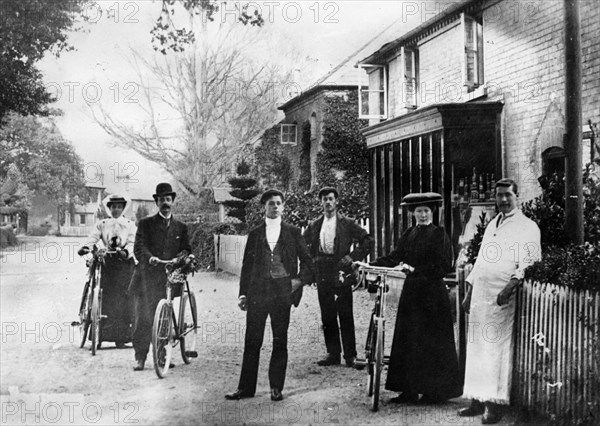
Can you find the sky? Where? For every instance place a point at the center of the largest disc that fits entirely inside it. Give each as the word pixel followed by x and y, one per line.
pixel 319 33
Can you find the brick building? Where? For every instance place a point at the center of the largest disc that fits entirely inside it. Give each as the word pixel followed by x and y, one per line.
pixel 481 85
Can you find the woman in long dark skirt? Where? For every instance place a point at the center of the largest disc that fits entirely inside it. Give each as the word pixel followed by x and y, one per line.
pixel 115 234
pixel 423 358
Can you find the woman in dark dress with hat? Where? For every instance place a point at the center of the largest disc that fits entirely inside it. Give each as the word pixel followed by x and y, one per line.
pixel 116 233
pixel 423 358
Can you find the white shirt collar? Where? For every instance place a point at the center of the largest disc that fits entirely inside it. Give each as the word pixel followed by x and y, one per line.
pixel 273 222
pixel 165 217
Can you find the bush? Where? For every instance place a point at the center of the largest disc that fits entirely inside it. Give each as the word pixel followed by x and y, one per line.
pixel 201 237
pixel 564 263
pixel 576 266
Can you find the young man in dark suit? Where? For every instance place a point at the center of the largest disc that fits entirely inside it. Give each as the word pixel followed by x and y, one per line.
pixel 330 239
pixel 158 237
pixel 269 267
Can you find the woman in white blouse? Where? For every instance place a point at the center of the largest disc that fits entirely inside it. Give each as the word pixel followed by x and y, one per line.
pixel 115 234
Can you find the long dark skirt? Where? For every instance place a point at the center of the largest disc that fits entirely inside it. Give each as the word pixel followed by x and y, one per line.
pixel 423 358
pixel 116 326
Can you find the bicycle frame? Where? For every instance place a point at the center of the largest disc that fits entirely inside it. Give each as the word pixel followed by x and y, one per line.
pixel 376 279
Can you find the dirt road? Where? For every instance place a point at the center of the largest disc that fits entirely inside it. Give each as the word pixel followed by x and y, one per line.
pixel 47 379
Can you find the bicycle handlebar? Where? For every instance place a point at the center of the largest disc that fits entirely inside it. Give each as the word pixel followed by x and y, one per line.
pixel 402 268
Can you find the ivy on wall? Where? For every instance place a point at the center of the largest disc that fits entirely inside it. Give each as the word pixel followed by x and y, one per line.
pixel 305 178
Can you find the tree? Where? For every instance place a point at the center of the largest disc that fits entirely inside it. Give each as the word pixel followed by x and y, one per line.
pixel 29 29
pixel 202 106
pixel 244 189
pixel 167 36
pixel 35 150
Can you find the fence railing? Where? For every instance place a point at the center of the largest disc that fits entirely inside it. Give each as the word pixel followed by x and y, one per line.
pixel 557 371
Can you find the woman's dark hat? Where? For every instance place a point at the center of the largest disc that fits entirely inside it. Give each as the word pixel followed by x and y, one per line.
pixel 270 193
pixel 429 199
pixel 116 199
pixel 164 189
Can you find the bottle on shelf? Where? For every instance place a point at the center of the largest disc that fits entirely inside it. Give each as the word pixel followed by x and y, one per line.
pixel 474 191
pixel 481 188
pixel 488 187
pixel 461 190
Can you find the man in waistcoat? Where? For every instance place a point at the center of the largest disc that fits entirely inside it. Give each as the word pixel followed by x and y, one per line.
pixel 336 241
pixel 269 267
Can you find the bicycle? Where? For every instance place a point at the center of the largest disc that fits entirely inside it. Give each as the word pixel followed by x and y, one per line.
pixel 169 330
pixel 90 308
pixel 377 280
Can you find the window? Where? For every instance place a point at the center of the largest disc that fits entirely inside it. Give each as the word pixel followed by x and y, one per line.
pixel 82 219
pixel 289 134
pixel 408 59
pixel 473 57
pixel 372 101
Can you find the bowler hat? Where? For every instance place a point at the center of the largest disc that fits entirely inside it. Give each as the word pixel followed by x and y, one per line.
pixel 270 193
pixel 428 199
pixel 328 190
pixel 163 189
pixel 115 199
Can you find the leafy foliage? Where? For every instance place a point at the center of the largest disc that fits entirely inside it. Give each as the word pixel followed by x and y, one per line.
pixel 475 244
pixel 202 240
pixel 29 29
pixel 46 161
pixel 305 178
pixel 274 167
pixel 167 36
pixel 564 263
pixel 344 148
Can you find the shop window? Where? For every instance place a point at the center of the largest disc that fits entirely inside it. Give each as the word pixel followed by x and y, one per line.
pixel 82 219
pixel 553 161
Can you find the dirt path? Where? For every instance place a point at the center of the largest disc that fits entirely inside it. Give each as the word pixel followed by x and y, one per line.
pixel 46 379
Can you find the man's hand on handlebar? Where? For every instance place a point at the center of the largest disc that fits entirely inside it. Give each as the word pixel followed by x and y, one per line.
pixel 83 251
pixel 154 260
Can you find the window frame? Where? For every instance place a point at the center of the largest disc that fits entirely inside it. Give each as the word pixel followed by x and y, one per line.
pixel 282 133
pixel 363 68
pixel 475 48
pixel 404 51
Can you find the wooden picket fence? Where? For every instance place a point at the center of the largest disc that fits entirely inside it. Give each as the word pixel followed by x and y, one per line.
pixel 557 369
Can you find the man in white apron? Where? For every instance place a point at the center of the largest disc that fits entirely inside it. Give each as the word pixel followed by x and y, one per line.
pixel 510 244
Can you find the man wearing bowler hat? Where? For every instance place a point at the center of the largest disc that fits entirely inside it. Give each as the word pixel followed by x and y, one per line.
pixel 269 272
pixel 330 239
pixel 158 237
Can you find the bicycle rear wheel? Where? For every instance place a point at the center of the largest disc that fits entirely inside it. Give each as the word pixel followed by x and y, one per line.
pixel 188 322
pixel 162 338
pixel 85 314
pixel 377 366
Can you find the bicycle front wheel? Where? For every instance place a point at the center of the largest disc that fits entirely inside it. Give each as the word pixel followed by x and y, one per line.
pixel 96 318
pixel 188 326
pixel 377 366
pixel 85 314
pixel 162 338
pixel 370 354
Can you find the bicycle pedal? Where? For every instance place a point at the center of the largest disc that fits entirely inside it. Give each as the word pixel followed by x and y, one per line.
pixel 359 362
pixel 191 354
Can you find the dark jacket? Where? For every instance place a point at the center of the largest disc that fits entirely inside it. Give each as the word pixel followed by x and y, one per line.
pixel 153 238
pixel 292 248
pixel 347 232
